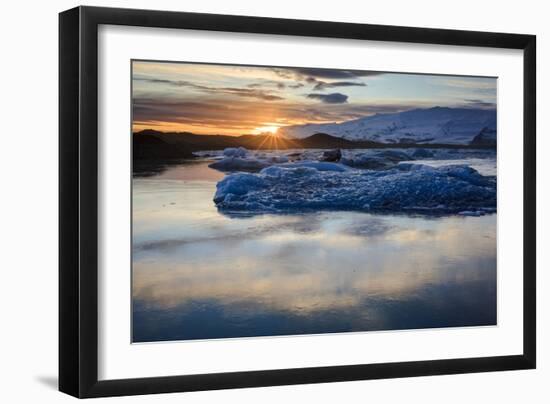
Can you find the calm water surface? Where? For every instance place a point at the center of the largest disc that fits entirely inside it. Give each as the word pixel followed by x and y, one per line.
pixel 199 274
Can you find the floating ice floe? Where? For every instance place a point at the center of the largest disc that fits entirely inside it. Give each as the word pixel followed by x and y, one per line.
pixel 394 155
pixel 471 213
pixel 318 165
pixel 235 152
pixel 240 159
pixel 239 164
pixel 422 154
pixel 320 185
pixel 367 161
pixel 375 160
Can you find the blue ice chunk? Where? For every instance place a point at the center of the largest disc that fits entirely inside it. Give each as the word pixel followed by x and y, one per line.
pixel 422 154
pixel 239 164
pixel 405 188
pixel 317 165
pixel 235 152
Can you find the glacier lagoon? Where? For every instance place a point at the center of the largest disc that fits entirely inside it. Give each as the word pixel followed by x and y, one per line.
pixel 263 264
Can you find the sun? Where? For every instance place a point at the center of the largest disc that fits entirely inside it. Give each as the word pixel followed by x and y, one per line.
pixel 272 130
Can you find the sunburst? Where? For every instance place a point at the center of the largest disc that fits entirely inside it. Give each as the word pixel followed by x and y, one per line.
pixel 267 129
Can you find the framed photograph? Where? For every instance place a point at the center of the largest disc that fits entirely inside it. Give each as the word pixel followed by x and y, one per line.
pixel 251 201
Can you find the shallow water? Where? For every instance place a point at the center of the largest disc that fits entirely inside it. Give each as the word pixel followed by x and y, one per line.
pixel 199 274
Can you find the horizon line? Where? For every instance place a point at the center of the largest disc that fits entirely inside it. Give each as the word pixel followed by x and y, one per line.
pixel 324 123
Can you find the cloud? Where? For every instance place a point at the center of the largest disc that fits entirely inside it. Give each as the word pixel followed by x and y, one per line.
pixel 317 73
pixel 235 116
pixel 318 77
pixel 265 95
pixel 324 113
pixel 280 85
pixel 243 115
pixel 475 103
pixel 470 87
pixel 472 83
pixel 322 85
pixel 247 92
pixel 175 83
pixel 297 85
pixel 268 83
pixel 334 98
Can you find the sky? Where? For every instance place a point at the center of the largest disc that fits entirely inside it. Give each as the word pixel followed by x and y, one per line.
pixel 237 100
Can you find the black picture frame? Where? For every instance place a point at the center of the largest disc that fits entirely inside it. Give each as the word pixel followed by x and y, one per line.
pixel 78 201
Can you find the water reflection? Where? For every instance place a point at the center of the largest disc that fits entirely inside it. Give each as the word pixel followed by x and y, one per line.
pixel 198 274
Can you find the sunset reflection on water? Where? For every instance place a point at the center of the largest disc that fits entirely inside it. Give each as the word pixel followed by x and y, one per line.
pixel 198 274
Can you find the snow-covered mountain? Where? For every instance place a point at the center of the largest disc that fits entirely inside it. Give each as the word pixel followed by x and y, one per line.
pixel 433 125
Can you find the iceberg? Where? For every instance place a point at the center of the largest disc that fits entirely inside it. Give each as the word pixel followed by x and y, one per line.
pixel 422 154
pixel 318 165
pixel 394 155
pixel 239 159
pixel 235 152
pixel 407 188
pixel 367 161
pixel 378 160
pixel 239 164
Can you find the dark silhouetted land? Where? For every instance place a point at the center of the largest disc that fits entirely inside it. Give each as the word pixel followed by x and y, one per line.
pixel 154 145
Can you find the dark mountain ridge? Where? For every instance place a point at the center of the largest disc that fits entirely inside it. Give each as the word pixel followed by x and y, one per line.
pixel 150 144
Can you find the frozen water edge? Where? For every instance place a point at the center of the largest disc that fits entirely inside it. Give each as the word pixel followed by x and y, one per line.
pixel 407 187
